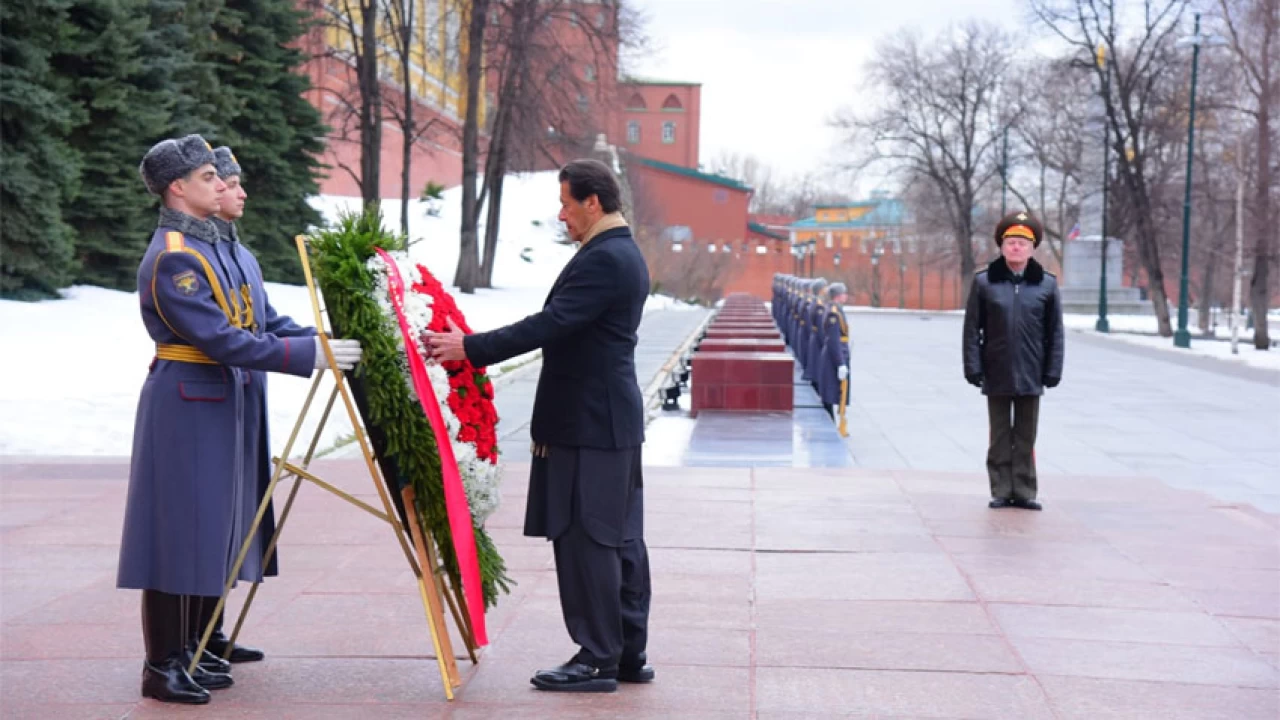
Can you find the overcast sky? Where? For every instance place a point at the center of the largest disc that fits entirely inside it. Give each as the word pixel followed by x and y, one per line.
pixel 773 72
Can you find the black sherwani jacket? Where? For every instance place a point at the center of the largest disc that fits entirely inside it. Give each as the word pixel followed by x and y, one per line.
pixel 588 398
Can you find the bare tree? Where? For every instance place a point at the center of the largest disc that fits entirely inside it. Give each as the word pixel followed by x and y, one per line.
pixel 770 192
pixel 357 23
pixel 409 35
pixel 940 118
pixel 553 64
pixel 1254 30
pixel 802 195
pixel 1049 142
pixel 466 275
pixel 1136 108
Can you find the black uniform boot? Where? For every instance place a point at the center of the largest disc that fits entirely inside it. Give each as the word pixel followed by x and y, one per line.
pixel 164 673
pixel 219 642
pixel 201 608
pixel 209 673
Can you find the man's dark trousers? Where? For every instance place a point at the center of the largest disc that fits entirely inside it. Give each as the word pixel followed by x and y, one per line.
pixel 1011 463
pixel 604 587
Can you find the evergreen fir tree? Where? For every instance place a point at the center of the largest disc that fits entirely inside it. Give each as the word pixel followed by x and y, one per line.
pixel 177 55
pixel 275 133
pixel 124 111
pixel 38 170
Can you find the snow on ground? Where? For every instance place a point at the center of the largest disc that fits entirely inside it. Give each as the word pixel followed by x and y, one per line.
pixel 73 367
pixel 1142 330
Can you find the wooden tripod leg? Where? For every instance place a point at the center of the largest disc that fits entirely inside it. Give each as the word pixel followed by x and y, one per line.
pixel 284 517
pixel 435 616
pixel 462 619
pixel 453 596
pixel 253 528
pixel 431 600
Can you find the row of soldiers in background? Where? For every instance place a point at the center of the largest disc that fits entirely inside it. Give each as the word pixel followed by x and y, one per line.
pixel 810 314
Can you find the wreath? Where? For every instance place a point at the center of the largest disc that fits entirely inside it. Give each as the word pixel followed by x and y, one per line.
pixel 354 263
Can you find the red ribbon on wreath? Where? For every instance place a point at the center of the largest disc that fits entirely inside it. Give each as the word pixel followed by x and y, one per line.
pixel 455 495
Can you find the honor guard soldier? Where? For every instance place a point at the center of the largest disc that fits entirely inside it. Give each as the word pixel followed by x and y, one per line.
pixel 833 360
pixel 802 322
pixel 186 514
pixel 260 318
pixel 774 292
pixel 817 314
pixel 784 310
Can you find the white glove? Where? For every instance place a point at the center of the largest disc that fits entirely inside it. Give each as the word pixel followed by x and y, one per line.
pixel 842 372
pixel 346 353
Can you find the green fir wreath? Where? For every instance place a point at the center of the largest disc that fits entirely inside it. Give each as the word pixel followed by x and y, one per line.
pixel 401 435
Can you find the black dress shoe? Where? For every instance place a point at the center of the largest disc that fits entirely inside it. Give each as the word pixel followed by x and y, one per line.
pixel 574 676
pixel 169 682
pixel 635 670
pixel 212 680
pixel 209 661
pixel 1026 504
pixel 239 653
pixel 997 503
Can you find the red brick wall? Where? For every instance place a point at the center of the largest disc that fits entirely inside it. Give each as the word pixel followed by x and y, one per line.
pixel 436 157
pixel 715 213
pixel 684 151
pixel 747 270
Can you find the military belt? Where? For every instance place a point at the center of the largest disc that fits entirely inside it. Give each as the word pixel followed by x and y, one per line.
pixel 183 353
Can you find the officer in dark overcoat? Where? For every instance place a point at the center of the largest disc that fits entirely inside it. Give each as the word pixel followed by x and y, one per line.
pixel 185 514
pixel 585 484
pixel 1013 349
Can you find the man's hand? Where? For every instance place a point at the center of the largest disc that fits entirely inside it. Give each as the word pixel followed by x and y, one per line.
pixel 974 380
pixel 1051 381
pixel 446 346
pixel 346 353
pixel 843 372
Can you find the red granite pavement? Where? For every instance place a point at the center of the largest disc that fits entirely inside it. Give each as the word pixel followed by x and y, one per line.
pixel 779 594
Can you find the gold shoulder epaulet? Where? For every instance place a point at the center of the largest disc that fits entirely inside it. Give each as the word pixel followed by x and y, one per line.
pixel 174 241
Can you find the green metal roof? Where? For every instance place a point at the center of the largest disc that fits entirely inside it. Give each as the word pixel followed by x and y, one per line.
pixel 843 206
pixel 756 227
pixel 884 212
pixel 695 174
pixel 655 81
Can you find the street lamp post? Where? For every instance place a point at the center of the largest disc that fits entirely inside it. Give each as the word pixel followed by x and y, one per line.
pixel 1103 325
pixel 902 282
pixel 1004 168
pixel 1182 336
pixel 875 277
pixel 813 250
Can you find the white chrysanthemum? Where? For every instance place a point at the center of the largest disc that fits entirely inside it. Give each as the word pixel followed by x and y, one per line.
pixel 480 478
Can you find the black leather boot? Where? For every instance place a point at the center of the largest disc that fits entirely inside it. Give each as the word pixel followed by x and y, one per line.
pixel 169 682
pixel 164 673
pixel 201 609
pixel 218 643
pixel 208 679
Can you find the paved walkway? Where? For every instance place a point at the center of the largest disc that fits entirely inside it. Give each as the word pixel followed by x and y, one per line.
pixel 1194 423
pixel 780 594
pixel 1149 587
